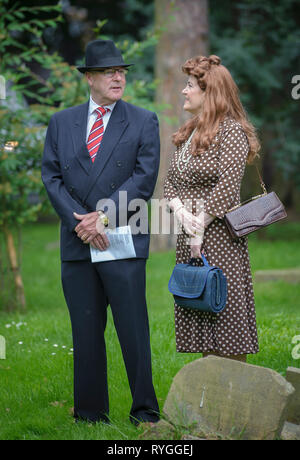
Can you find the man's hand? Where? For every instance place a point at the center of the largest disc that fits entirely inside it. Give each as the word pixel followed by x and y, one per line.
pixel 91 230
pixel 100 242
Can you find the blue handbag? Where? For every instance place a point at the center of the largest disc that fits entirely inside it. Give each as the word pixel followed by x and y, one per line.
pixel 200 288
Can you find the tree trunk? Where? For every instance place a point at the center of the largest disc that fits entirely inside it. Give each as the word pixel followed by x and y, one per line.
pixel 185 35
pixel 13 260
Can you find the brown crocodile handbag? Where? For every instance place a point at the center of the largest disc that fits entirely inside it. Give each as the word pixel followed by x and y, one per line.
pixel 255 213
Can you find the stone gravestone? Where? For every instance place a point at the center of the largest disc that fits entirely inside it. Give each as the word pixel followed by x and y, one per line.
pixel 229 397
pixel 293 376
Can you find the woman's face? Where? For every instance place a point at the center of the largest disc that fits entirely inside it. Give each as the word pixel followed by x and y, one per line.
pixel 194 96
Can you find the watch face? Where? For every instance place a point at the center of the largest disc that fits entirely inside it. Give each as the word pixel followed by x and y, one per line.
pixel 104 219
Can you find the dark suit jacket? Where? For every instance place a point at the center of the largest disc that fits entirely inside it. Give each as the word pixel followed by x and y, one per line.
pixel 128 160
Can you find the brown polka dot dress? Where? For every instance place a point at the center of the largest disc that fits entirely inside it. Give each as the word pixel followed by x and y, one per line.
pixel 215 177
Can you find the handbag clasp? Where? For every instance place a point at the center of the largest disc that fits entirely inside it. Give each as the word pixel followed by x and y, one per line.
pixel 248 201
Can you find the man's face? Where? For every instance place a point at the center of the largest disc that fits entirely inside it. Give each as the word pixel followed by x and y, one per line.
pixel 107 86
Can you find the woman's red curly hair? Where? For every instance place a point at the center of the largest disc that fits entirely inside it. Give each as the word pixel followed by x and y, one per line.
pixel 221 99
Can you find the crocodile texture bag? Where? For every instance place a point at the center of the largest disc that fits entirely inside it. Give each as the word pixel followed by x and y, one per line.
pixel 253 214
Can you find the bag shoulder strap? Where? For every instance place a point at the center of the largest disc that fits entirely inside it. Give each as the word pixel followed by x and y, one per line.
pixel 263 186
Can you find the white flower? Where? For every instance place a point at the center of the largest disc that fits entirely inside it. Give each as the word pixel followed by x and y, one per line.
pixel 7 326
pixel 55 345
pixel 46 340
pixel 20 343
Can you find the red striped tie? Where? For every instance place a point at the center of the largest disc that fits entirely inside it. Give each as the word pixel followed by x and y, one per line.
pixel 96 133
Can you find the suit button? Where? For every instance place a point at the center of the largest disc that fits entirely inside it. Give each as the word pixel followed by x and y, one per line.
pixel 71 189
pixel 113 186
pixel 67 167
pixel 119 163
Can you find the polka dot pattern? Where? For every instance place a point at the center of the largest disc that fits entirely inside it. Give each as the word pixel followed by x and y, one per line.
pixel 215 177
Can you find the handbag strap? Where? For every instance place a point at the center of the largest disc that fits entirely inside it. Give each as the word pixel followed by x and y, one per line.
pixel 193 259
pixel 254 197
pixel 263 186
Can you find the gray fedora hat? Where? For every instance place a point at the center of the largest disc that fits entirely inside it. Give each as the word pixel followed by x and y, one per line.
pixel 100 54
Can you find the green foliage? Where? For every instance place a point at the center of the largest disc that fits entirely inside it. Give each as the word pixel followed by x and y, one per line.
pixel 23 125
pixel 55 86
pixel 259 43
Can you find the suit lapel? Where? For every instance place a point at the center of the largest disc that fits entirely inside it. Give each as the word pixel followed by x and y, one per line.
pixel 79 137
pixel 113 132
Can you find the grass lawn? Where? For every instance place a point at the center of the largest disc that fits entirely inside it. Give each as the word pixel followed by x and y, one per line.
pixel 36 381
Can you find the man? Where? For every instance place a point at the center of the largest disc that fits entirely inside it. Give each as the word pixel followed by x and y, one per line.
pixel 92 152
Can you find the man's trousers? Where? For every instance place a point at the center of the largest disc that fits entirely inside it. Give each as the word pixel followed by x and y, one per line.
pixel 89 288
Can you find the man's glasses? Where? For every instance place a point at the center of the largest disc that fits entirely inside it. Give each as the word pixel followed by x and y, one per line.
pixel 109 73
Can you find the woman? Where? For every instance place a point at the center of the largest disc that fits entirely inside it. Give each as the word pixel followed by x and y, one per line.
pixel 208 166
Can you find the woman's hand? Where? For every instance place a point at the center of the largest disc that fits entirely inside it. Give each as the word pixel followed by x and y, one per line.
pixel 191 224
pixel 196 245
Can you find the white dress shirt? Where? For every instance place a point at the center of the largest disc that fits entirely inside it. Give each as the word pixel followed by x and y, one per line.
pixel 92 115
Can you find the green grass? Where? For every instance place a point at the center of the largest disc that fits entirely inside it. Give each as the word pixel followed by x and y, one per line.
pixel 36 387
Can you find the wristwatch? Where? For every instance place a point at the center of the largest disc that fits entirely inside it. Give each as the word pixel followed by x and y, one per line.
pixel 103 218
